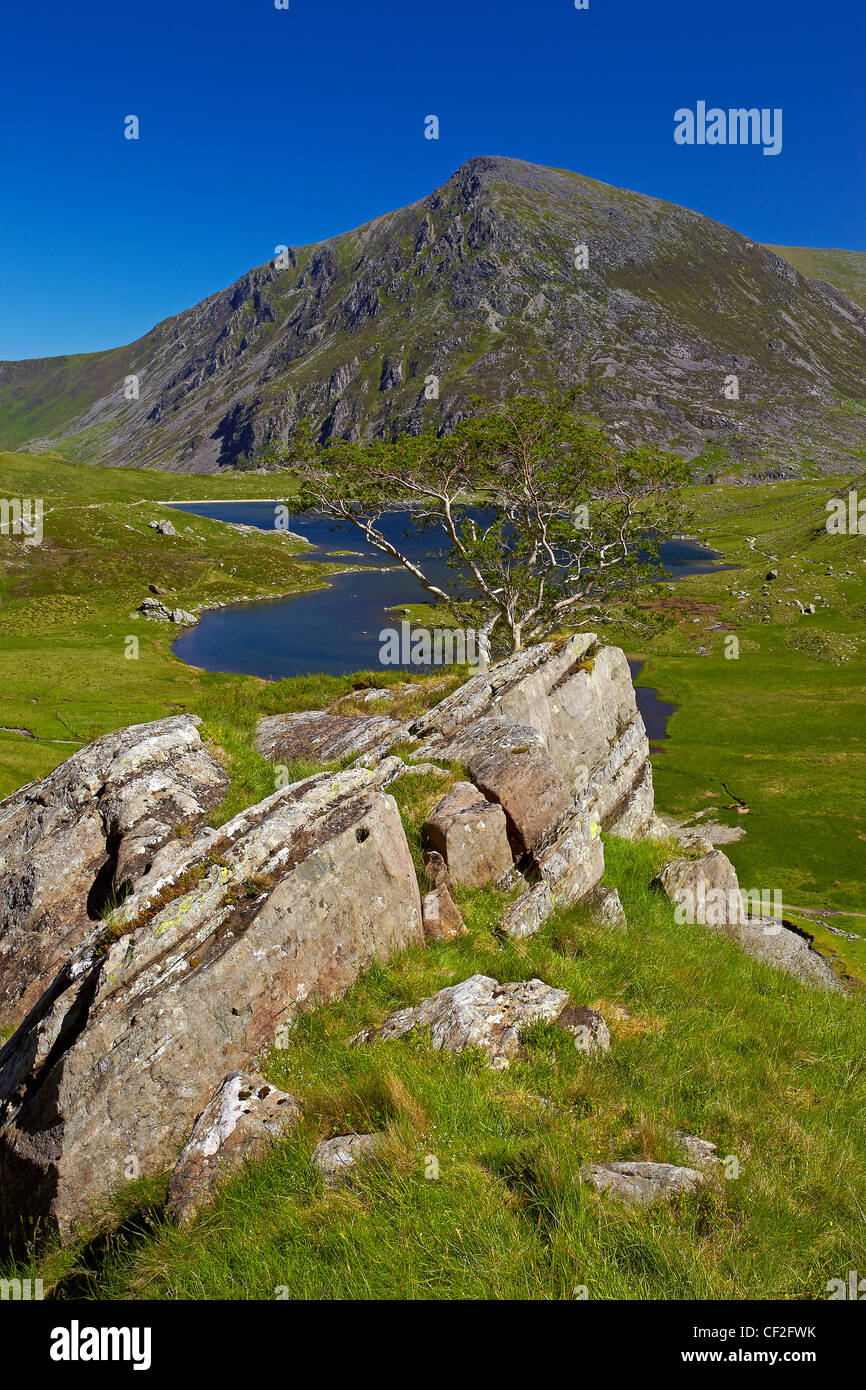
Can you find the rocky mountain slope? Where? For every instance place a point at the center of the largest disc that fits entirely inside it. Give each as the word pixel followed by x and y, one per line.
pixel 479 287
pixel 844 269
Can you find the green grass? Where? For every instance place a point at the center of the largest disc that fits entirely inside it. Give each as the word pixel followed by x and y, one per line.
pixel 713 1043
pixel 782 725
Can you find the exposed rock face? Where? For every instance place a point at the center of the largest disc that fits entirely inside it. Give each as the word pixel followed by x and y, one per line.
pixel 442 919
pixel 704 890
pixel 335 1158
pixel 526 785
pixel 528 913
pixel 320 736
pixel 641 1184
pixel 287 902
pixel 89 828
pixel 471 835
pixel 155 611
pixel 779 944
pixel 573 862
pixel 707 891
pixel 481 1013
pixel 237 1124
pixel 573 701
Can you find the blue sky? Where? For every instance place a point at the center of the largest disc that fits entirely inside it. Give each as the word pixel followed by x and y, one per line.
pixel 261 126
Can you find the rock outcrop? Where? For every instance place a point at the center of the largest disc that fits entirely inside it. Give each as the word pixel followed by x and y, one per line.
pixel 88 831
pixel 573 701
pixel 480 1012
pixel 242 1118
pixel 150 959
pixel 706 890
pixel 203 966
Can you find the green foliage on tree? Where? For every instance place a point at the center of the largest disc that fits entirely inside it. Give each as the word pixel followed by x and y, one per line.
pixel 547 526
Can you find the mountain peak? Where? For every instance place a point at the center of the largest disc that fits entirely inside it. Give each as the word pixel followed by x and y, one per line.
pixel 677 329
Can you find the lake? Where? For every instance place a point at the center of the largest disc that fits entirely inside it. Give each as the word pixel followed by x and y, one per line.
pixel 336 629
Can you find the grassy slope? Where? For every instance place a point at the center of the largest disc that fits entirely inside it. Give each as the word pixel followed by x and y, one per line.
pixel 844 269
pixel 712 1043
pixel 782 725
pixel 715 1043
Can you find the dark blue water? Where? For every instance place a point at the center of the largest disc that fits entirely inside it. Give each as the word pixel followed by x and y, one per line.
pixel 655 712
pixel 336 629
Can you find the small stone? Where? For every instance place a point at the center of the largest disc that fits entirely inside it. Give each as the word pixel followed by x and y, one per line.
pixel 441 915
pixel 587 1027
pixel 700 1151
pixel 335 1158
pixel 607 907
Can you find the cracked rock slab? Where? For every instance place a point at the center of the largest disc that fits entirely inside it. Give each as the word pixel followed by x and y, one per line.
pixel 322 737
pixel 578 700
pixel 114 802
pixel 528 913
pixel 639 1183
pixel 287 902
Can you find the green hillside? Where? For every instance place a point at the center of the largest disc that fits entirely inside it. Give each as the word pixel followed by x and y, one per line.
pixel 844 269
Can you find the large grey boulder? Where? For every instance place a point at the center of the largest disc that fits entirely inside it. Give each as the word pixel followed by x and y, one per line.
pixel 471 835
pixel 578 698
pixel 639 1183
pixel 205 965
pixel 323 737
pixel 703 890
pixel 115 802
pixel 244 1116
pixel 480 1012
pixel 706 890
